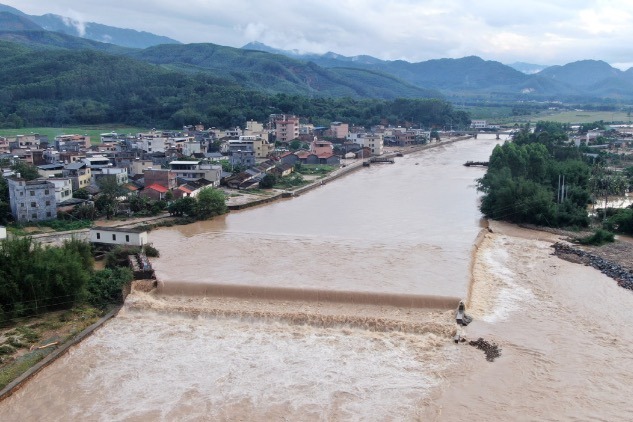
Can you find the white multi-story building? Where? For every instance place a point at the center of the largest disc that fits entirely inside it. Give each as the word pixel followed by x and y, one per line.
pixel 195 169
pixel 153 144
pixel 374 141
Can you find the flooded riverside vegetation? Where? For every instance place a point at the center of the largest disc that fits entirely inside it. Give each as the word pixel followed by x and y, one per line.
pixel 355 353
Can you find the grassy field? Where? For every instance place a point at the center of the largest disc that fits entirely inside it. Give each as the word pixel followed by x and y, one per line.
pixel 576 116
pixel 92 131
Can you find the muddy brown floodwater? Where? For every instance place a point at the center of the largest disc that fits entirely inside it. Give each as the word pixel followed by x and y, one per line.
pixel 339 305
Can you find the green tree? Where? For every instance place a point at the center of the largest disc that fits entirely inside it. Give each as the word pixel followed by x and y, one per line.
pixel 27 171
pixel 210 202
pixel 183 207
pixel 105 287
pixel 604 182
pixel 268 181
pixel 81 194
pixel 109 192
pixel 295 144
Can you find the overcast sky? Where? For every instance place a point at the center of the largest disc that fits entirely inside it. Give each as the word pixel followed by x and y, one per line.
pixel 535 31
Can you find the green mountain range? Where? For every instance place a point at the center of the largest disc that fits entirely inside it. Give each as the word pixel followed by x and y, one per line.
pixel 264 69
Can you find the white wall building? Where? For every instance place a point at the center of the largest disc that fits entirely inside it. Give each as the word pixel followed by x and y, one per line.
pixel 118 236
pixel 63 188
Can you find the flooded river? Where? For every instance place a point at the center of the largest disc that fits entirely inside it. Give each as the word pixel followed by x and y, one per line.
pixel 297 311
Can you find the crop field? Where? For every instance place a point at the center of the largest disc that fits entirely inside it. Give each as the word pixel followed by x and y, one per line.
pixel 92 131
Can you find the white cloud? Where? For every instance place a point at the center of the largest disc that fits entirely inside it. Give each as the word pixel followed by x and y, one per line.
pixel 537 31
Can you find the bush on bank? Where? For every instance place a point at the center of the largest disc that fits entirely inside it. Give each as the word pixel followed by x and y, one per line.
pixel 36 279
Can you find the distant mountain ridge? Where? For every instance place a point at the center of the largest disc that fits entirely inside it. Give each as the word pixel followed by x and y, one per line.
pixel 472 76
pixel 89 30
pixel 267 69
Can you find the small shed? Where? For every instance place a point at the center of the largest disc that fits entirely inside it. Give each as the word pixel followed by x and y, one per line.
pixel 118 236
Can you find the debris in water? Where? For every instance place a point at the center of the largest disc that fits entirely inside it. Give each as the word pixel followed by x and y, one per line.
pixel 491 350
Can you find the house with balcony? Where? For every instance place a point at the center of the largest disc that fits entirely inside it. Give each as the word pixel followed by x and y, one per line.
pixel 195 170
pixel 286 127
pixel 32 200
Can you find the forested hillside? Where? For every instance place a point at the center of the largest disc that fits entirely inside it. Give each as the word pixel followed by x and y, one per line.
pixel 62 87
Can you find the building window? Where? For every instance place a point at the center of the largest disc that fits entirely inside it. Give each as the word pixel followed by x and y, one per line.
pixel 114 237
pixel 33 205
pixel 45 191
pixel 127 238
pixel 21 193
pixel 34 216
pixel 22 205
pixel 98 235
pixel 32 192
pixel 48 213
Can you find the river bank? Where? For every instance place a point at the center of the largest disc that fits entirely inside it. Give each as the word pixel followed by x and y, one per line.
pixel 563 331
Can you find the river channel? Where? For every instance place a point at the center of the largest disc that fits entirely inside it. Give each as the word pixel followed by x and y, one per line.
pixel 390 230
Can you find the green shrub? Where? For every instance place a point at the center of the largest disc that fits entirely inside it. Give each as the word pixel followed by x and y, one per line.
pixel 600 237
pixel 6 349
pixel 105 287
pixel 151 251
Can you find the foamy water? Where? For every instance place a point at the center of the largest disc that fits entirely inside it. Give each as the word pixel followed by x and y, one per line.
pixel 150 365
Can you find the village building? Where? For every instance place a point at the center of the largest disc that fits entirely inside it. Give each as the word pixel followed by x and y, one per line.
pixel 162 177
pixel 63 188
pixel 118 236
pixel 154 191
pixel 254 128
pixel 196 169
pixel 139 166
pixel 339 130
pixel 51 170
pixel 321 147
pixel 79 173
pixel 64 141
pixel 97 162
pixel 3 232
pixel 32 200
pixel 286 127
pixel 119 175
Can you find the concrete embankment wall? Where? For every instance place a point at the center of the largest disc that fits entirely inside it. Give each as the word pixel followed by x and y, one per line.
pixel 255 202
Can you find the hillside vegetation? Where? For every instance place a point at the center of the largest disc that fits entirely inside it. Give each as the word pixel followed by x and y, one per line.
pixel 56 87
